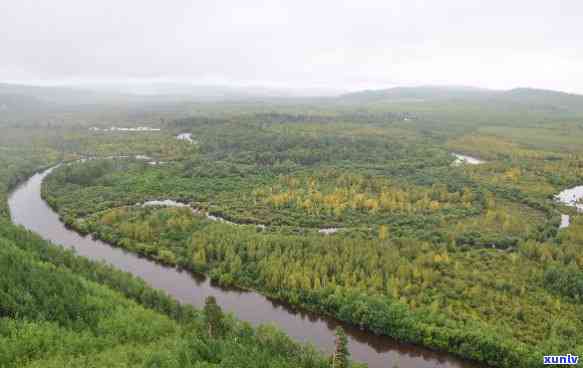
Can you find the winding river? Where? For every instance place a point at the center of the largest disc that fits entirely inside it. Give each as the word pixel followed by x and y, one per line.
pixel 28 209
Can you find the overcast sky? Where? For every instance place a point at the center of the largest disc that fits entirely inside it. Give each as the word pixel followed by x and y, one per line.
pixel 296 43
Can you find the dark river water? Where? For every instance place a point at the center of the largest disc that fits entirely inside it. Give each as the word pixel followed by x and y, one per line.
pixel 28 209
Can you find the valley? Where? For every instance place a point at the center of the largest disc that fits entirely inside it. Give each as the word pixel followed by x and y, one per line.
pixel 432 240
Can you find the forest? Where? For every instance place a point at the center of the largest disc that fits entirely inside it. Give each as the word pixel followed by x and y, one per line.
pixel 58 309
pixel 463 258
pixel 350 208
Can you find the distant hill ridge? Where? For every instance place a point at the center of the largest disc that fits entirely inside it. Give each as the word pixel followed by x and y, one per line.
pixel 437 92
pixel 13 96
pixel 522 96
pixel 17 102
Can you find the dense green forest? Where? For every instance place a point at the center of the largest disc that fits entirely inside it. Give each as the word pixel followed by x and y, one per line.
pixel 457 257
pixel 61 310
pixel 464 258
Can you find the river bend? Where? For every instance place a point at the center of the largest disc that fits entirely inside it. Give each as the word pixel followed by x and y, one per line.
pixel 29 210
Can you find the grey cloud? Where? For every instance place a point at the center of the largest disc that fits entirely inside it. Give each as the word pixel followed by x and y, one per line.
pixel 347 44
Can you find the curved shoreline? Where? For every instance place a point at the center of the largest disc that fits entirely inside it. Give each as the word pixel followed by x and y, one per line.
pixel 377 351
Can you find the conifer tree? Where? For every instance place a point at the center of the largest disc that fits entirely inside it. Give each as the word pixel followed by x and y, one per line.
pixel 214 317
pixel 341 353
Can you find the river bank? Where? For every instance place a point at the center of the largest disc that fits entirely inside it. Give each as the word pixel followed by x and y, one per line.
pixel 31 211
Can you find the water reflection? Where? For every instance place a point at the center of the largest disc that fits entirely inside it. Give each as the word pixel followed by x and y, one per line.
pixel 28 209
pixel 570 197
pixel 465 159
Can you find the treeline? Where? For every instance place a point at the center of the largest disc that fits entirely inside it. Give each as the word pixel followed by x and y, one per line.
pixel 52 316
pixel 255 141
pixel 275 117
pixel 482 305
pixel 61 310
pixel 362 116
pixel 22 152
pixel 458 211
pixel 422 275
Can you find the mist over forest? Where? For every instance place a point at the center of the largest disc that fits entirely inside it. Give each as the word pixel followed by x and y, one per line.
pixel 291 184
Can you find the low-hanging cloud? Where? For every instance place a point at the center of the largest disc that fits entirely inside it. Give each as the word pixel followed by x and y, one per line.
pixel 339 44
